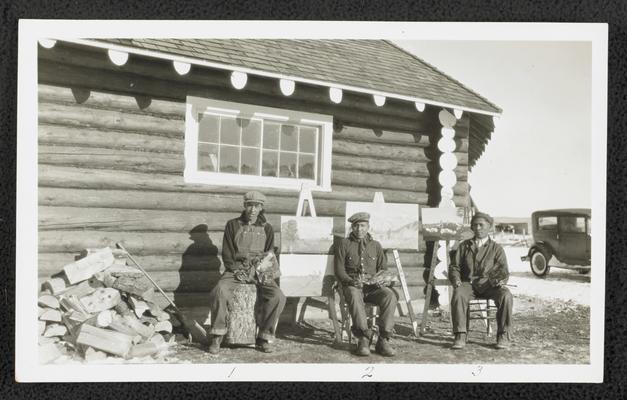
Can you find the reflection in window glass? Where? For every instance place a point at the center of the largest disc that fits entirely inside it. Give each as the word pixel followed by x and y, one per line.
pixel 229 131
pixel 270 163
pixel 251 133
pixel 207 157
pixel 289 137
pixel 287 168
pixel 547 223
pixel 307 141
pixel 572 224
pixel 208 128
pixel 271 135
pixel 306 166
pixel 250 161
pixel 229 159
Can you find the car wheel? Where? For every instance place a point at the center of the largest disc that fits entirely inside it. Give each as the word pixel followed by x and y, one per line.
pixel 539 263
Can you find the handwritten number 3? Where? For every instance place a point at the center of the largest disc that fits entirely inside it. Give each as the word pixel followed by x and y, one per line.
pixel 368 373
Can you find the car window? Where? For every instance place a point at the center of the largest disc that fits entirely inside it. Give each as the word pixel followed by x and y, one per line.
pixel 547 223
pixel 572 224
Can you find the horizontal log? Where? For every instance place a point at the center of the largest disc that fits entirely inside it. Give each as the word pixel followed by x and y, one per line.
pixel 95 99
pixel 378 150
pixel 162 71
pixel 380 136
pixel 86 137
pixel 81 116
pixel 133 84
pixel 69 177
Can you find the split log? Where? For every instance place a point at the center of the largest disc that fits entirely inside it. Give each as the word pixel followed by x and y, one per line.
pixel 51 315
pixel 92 355
pixel 55 330
pixel 86 267
pixel 41 325
pixel 104 318
pixel 143 350
pixel 72 303
pixel 130 325
pixel 56 285
pixel 241 325
pixel 163 326
pixel 42 340
pixel 139 306
pixel 40 311
pixel 123 309
pixel 48 353
pixel 145 319
pixel 74 320
pixel 108 341
pixel 158 340
pixel 138 286
pixel 82 289
pixel 48 300
pixel 102 299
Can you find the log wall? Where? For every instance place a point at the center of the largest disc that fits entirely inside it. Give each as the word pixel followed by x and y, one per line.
pixel 111 168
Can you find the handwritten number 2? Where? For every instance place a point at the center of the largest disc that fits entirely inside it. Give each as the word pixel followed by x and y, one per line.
pixel 368 372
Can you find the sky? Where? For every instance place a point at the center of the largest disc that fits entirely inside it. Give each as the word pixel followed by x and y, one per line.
pixel 540 153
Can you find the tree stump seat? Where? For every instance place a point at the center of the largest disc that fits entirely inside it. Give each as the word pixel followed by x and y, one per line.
pixel 240 322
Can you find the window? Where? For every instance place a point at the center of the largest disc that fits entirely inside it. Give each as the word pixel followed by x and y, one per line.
pixel 572 224
pixel 547 223
pixel 244 145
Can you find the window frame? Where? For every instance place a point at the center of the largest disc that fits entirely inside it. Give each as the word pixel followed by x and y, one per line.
pixel 197 105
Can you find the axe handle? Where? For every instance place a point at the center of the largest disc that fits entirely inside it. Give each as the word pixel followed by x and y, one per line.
pixel 119 246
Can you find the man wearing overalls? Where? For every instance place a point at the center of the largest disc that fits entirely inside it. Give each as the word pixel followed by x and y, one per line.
pixel 479 270
pixel 246 237
pixel 358 258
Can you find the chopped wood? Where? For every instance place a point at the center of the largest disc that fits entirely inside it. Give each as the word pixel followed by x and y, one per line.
pixel 48 353
pixel 55 330
pixel 164 316
pixel 92 355
pixel 139 306
pixel 42 327
pixel 83 289
pixel 104 318
pixel 145 319
pixel 40 311
pixel 101 299
pixel 72 303
pixel 123 309
pixel 106 340
pixel 143 330
pixel 163 326
pixel 51 315
pixel 138 286
pixel 47 340
pixel 55 285
pixel 74 319
pixel 48 300
pixel 143 349
pixel 86 267
pixel 158 339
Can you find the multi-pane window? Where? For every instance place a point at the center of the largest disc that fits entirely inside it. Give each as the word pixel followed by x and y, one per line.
pixel 241 142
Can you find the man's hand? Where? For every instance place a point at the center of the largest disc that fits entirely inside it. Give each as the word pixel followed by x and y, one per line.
pixel 457 284
pixel 356 283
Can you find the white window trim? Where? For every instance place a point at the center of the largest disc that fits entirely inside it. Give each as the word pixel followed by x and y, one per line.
pixel 191 174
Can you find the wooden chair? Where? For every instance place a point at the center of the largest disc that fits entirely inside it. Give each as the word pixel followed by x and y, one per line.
pixel 372 313
pixel 483 310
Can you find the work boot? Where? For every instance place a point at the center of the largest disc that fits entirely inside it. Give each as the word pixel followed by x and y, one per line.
pixel 214 345
pixel 460 341
pixel 264 346
pixel 502 341
pixel 363 347
pixel 383 347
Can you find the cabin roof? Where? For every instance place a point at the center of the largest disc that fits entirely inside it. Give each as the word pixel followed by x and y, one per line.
pixel 376 65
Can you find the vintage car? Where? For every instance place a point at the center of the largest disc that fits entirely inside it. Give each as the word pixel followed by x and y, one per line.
pixel 562 234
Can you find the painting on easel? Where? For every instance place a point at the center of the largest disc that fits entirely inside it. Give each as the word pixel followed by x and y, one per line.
pixel 306 235
pixel 444 224
pixel 394 225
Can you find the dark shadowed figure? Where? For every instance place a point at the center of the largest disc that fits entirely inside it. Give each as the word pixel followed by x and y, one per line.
pixel 200 267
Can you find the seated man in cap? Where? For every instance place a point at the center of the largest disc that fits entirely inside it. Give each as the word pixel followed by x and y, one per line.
pixel 246 238
pixel 479 270
pixel 357 258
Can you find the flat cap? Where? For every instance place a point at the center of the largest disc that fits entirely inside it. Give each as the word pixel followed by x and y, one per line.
pixel 358 217
pixel 482 215
pixel 254 197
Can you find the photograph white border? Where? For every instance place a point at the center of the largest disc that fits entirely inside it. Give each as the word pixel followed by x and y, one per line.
pixel 27 367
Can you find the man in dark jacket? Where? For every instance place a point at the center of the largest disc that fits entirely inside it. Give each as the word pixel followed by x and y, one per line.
pixel 479 270
pixel 246 238
pixel 358 258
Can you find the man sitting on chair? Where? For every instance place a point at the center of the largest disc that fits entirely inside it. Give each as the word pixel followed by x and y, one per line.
pixel 247 238
pixel 358 258
pixel 479 270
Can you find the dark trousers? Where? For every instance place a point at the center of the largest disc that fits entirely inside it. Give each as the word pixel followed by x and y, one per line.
pixel 270 303
pixel 385 298
pixel 462 295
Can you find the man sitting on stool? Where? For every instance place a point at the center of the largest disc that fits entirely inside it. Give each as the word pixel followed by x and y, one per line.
pixel 357 258
pixel 479 270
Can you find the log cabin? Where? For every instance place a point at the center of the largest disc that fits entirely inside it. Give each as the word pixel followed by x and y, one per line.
pixel 153 142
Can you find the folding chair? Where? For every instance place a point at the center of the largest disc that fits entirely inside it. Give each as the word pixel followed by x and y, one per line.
pixel 483 310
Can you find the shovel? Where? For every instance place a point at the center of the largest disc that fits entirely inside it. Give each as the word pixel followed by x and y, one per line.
pixel 197 332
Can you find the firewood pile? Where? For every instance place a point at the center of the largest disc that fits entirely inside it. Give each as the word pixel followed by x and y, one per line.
pixel 99 307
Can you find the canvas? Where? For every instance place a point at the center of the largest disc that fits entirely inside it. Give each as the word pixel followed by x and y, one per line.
pixel 306 235
pixel 303 275
pixel 444 224
pixel 394 225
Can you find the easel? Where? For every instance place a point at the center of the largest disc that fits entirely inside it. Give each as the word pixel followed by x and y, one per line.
pixel 305 195
pixel 431 281
pixel 378 198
